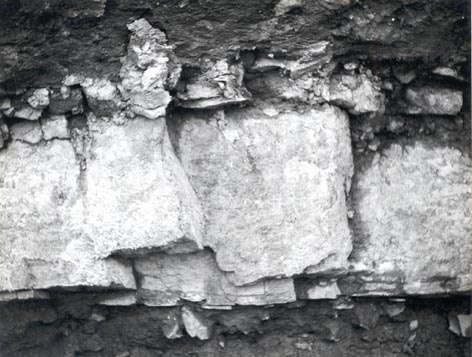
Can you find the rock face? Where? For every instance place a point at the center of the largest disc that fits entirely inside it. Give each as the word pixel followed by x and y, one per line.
pixel 237 178
pixel 43 241
pixel 168 279
pixel 138 197
pixel 256 175
pixel 414 213
pixel 436 101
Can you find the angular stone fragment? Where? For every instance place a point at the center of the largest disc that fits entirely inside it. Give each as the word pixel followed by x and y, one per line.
pixel 273 188
pixel 102 96
pixel 448 72
pixel 43 244
pixel 55 127
pixel 195 324
pixel 431 100
pixel 310 59
pixel 138 197
pixel 219 83
pixel 5 104
pixel 357 93
pixel 169 279
pixel 64 100
pixel 305 89
pixel 145 70
pixel 27 112
pixel 39 99
pixel 465 324
pixel 171 326
pixel 414 221
pixel 27 131
pixel 393 309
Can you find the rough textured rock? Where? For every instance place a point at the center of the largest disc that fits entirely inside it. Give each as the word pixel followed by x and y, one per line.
pixel 145 71
pixel 414 216
pixel 43 243
pixel 357 93
pixel 117 248
pixel 27 131
pixel 195 324
pixel 255 175
pixel 167 280
pixel 138 197
pixel 310 59
pixel 55 127
pixel 430 100
pixel 219 83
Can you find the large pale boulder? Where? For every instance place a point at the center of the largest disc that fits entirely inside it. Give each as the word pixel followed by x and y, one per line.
pixel 42 241
pixel 413 209
pixel 273 188
pixel 167 280
pixel 138 197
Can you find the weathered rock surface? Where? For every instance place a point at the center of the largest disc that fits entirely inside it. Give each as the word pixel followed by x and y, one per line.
pixel 138 197
pixel 43 241
pixel 27 131
pixel 308 60
pixel 413 217
pixel 55 127
pixel 167 280
pixel 195 324
pixel 356 93
pixel 273 188
pixel 317 290
pixel 219 83
pixel 117 188
pixel 145 71
pixel 431 100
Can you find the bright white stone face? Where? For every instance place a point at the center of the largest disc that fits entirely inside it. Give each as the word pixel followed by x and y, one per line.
pixel 414 214
pixel 41 223
pixel 273 189
pixel 138 196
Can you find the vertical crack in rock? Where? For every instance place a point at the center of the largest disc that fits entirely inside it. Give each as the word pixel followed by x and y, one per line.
pixel 138 196
pixel 116 242
pixel 43 242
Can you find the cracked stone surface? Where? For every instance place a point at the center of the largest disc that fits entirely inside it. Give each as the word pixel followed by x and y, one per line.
pixel 256 174
pixel 219 83
pixel 414 217
pixel 43 241
pixel 166 280
pixel 138 197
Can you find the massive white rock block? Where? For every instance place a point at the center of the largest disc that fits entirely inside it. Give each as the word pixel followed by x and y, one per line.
pixel 413 209
pixel 273 188
pixel 43 243
pixel 138 197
